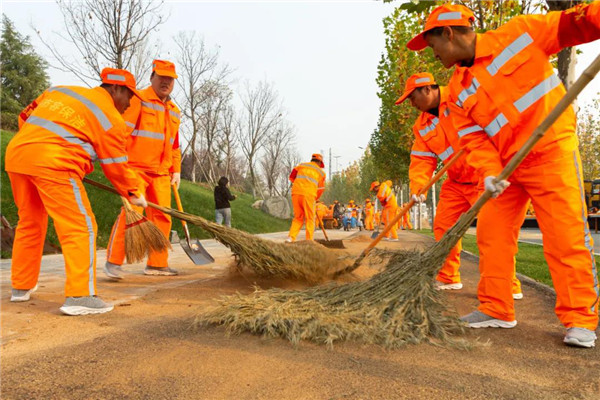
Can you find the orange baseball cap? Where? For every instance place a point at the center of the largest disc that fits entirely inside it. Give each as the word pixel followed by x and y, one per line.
pixel 121 77
pixel 417 80
pixel 445 15
pixel 319 157
pixel 164 68
pixel 374 184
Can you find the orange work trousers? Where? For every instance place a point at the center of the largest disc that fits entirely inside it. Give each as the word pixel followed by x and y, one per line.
pixel 387 215
pixel 554 183
pixel 369 222
pixel 156 189
pixel 405 221
pixel 304 213
pixel 65 200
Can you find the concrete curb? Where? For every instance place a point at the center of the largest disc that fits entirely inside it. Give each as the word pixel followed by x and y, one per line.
pixel 523 278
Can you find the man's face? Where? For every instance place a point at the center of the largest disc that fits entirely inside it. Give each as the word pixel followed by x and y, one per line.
pixel 121 97
pixel 423 98
pixel 443 47
pixel 162 85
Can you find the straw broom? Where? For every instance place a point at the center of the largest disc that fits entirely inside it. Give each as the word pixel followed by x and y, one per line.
pixel 307 261
pixel 397 306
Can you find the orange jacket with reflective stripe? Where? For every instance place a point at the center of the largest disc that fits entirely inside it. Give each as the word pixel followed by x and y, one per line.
pixel 386 196
pixel 511 87
pixel 369 209
pixel 308 180
pixel 321 210
pixel 154 126
pixel 435 137
pixel 66 129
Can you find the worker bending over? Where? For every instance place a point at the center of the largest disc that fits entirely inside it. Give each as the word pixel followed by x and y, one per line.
pixel 61 134
pixel 387 198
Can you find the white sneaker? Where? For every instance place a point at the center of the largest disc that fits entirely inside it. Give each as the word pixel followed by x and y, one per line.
pixel 19 295
pixel 477 319
pixel 85 305
pixel 518 296
pixel 448 286
pixel 113 270
pixel 580 337
pixel 289 240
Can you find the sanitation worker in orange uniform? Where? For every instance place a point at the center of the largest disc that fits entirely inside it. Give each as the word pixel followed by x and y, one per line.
pixel 153 150
pixel 504 87
pixel 61 134
pixel 436 137
pixel 308 184
pixel 369 211
pixel 387 198
pixel 321 212
pixel 406 220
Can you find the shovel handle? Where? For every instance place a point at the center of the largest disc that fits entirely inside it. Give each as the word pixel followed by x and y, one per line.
pixel 180 208
pixel 322 227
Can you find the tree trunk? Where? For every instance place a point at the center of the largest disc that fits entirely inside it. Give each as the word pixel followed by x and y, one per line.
pixel 566 57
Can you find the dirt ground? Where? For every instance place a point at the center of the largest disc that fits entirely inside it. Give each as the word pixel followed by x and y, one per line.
pixel 147 349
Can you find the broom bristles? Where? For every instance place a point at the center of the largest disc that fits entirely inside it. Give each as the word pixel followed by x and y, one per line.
pixel 142 237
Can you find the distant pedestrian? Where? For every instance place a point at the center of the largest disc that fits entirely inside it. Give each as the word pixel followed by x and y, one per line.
pixel 222 198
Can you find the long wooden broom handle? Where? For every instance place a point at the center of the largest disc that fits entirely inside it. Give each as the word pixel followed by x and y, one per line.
pixel 398 216
pixel 322 226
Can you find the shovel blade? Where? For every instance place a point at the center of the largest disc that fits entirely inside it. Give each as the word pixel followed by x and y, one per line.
pixel 332 244
pixel 374 234
pixel 196 252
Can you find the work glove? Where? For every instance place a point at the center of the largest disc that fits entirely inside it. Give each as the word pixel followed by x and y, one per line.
pixel 495 187
pixel 138 201
pixel 418 198
pixel 176 179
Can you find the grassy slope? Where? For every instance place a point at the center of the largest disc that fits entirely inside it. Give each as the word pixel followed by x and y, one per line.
pixel 530 258
pixel 196 200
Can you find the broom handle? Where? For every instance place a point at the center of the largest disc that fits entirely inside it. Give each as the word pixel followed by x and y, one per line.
pixel 180 208
pixel 322 227
pixel 398 216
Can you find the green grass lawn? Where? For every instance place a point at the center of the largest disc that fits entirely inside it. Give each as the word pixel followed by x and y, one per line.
pixel 530 258
pixel 196 199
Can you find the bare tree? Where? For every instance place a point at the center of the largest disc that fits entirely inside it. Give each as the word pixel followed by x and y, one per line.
pixel 272 160
pixel 567 57
pixel 290 159
pixel 111 33
pixel 259 118
pixel 202 83
pixel 227 143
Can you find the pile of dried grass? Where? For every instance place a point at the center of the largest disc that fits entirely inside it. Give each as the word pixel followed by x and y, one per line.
pixel 306 261
pixel 397 306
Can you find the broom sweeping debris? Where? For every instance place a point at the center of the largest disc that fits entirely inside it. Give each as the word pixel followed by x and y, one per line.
pixel 306 261
pixel 397 306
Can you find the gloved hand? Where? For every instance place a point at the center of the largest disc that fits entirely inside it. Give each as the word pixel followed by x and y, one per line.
pixel 496 188
pixel 138 201
pixel 418 198
pixel 176 179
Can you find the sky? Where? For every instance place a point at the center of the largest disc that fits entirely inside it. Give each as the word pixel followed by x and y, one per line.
pixel 321 57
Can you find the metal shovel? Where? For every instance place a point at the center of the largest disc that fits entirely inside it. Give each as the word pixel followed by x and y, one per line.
pixel 192 247
pixel 333 244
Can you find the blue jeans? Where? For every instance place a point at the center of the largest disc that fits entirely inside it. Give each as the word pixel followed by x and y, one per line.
pixel 223 213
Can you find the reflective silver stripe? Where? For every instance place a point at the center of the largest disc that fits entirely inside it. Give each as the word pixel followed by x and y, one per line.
pixel 130 124
pixel 423 154
pixel 389 197
pixel 171 140
pixel 175 114
pixel 497 123
pixel 470 129
pixel 307 178
pixel 586 231
pixel 466 93
pixel 446 112
pixel 429 128
pixel 114 77
pixel 63 133
pixel 446 153
pixel 117 160
pixel 112 236
pixel 509 52
pixel 537 92
pixel 148 134
pixel 94 109
pixel 319 170
pixel 449 15
pixel 153 106
pixel 90 229
pixel 422 80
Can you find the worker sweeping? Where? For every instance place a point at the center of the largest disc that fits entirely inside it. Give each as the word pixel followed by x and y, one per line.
pixel 504 87
pixel 308 184
pixel 387 198
pixel 61 134
pixel 154 153
pixel 436 138
pixel 321 211
pixel 405 222
pixel 369 211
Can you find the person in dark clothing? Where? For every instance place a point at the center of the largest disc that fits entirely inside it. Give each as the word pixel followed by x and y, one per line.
pixel 222 198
